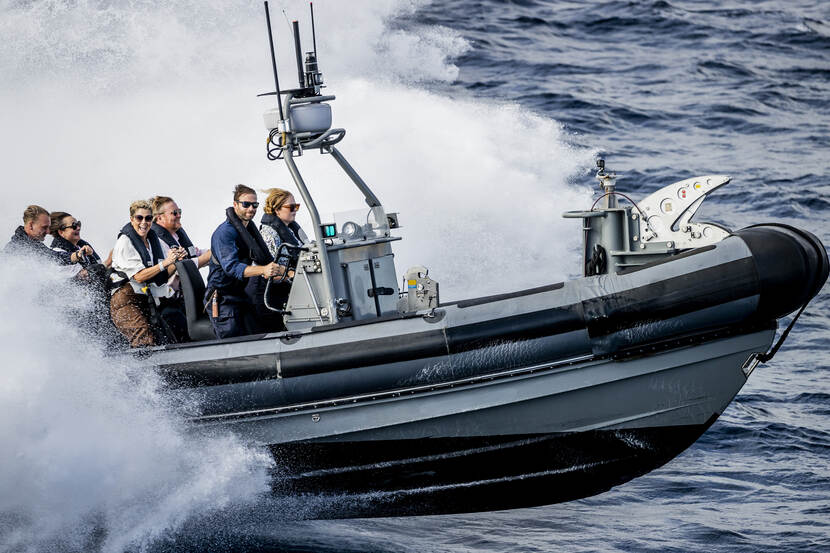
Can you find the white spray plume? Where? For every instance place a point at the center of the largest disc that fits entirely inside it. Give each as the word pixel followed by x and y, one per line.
pixel 126 102
pixel 94 454
pixel 103 103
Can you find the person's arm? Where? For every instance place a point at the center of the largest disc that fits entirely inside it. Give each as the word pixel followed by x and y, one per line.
pixel 85 251
pixel 224 249
pixel 203 259
pixel 273 241
pixel 165 249
pixel 69 271
pixel 267 271
pixel 168 265
pixel 125 258
pixel 76 256
pixel 65 257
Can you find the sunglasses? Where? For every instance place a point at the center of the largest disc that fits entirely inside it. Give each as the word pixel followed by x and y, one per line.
pixel 142 218
pixel 175 212
pixel 291 207
pixel 246 205
pixel 74 226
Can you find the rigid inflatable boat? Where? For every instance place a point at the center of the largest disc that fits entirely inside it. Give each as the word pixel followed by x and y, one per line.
pixel 388 401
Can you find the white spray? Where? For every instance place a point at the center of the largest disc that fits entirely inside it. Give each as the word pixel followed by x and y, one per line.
pixel 111 103
pixel 103 103
pixel 92 450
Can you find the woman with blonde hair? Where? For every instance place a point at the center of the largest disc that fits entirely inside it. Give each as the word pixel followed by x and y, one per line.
pixel 277 227
pixel 138 257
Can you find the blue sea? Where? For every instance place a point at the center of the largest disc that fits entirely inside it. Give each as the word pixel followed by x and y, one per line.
pixel 480 121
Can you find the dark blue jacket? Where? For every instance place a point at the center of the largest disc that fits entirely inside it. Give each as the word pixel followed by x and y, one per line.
pixel 228 249
pixel 231 253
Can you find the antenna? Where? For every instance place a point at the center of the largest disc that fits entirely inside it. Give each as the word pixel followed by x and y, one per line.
pixel 313 34
pixel 273 59
pixel 287 22
pixel 297 51
pixel 313 77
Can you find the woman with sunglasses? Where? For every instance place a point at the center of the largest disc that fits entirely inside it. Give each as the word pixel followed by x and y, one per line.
pixel 138 258
pixel 66 237
pixel 278 226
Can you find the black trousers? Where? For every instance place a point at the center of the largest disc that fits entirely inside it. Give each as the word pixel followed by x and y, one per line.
pixel 236 317
pixel 267 320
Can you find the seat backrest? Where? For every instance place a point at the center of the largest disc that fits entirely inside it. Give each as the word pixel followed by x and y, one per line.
pixel 193 292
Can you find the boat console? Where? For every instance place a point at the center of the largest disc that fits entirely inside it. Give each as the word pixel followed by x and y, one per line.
pixel 347 272
pixel 358 249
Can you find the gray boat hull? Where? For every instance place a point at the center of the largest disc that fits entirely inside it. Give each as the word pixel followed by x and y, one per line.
pixel 519 399
pixel 529 436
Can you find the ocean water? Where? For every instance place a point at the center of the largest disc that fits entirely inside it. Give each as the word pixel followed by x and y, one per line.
pixel 477 121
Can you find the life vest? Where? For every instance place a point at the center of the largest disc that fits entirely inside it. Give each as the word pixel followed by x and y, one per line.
pixel 256 248
pixel 290 234
pixel 167 237
pixel 22 244
pixel 63 244
pixel 153 257
pixel 250 247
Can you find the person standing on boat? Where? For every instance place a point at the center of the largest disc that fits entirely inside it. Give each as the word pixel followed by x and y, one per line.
pixel 138 257
pixel 236 245
pixel 277 227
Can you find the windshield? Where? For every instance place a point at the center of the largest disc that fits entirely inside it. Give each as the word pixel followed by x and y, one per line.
pixel 361 224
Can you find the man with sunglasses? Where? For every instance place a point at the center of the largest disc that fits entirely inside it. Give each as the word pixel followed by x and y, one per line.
pixel 236 245
pixel 167 224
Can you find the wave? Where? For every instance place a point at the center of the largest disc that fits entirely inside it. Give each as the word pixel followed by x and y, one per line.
pixel 95 454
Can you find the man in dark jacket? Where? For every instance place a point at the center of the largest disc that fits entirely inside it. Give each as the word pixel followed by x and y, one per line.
pixel 28 238
pixel 236 245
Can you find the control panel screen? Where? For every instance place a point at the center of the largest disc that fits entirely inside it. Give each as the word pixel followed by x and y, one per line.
pixel 329 230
